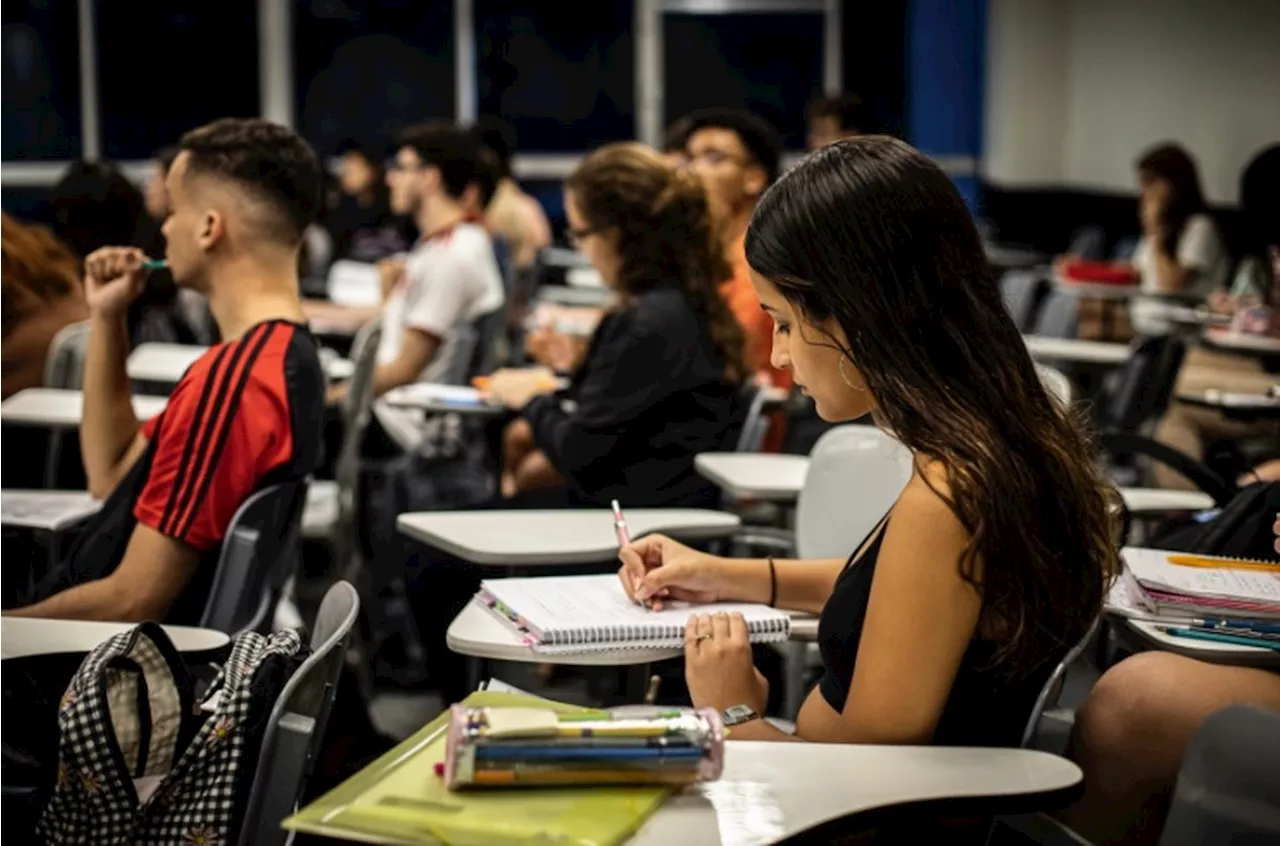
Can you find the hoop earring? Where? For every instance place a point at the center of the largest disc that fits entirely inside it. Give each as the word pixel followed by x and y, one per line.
pixel 840 367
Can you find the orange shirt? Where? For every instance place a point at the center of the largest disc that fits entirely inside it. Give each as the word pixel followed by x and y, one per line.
pixel 756 324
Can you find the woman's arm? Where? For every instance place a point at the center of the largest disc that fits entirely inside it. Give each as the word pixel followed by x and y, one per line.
pixel 920 620
pixel 803 585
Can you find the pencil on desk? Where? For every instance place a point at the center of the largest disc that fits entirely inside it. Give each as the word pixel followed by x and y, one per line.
pixel 1222 563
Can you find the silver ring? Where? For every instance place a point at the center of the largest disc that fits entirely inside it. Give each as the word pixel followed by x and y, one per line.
pixel 701 638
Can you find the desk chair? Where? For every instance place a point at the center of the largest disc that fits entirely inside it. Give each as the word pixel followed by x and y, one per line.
pixel 755 426
pixel 1057 316
pixel 1229 786
pixel 258 556
pixel 1022 291
pixel 64 368
pixel 1143 387
pixel 1056 383
pixel 855 475
pixel 297 722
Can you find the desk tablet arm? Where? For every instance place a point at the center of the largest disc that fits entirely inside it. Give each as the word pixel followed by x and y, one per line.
pixel 1128 443
pixel 780 542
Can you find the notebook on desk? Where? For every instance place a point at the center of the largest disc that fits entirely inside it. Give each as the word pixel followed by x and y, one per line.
pixel 575 614
pixel 1154 585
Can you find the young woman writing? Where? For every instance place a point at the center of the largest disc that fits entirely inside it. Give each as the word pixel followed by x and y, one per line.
pixel 945 622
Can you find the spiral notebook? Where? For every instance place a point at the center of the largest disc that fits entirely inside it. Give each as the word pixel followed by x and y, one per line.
pixel 1238 587
pixel 568 614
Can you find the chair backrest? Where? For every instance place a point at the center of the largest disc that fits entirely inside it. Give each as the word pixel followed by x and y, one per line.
pixel 1056 383
pixel 1021 291
pixel 1144 385
pixel 64 363
pixel 488 327
pixel 754 424
pixel 855 475
pixel 1052 690
pixel 1228 789
pixel 357 411
pixel 370 332
pixel 258 554
pixel 1058 316
pixel 296 726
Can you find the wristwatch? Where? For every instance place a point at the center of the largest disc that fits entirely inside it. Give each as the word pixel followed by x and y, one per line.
pixel 738 714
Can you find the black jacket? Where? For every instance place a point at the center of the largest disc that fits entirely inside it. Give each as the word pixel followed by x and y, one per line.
pixel 650 395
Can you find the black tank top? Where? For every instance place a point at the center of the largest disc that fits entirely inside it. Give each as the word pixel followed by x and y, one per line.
pixel 985 707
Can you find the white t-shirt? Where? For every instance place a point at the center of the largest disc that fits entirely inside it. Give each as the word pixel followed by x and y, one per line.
pixel 1199 247
pixel 450 280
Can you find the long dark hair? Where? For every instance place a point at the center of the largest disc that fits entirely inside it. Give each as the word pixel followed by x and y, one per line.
pixel 665 233
pixel 1175 165
pixel 871 233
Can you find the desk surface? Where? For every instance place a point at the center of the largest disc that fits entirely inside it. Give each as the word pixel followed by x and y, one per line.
pixel 21 637
pixel 570 536
pixel 440 399
pixel 755 475
pixel 1076 351
pixel 772 791
pixel 165 363
pixel 1095 290
pixel 478 633
pixel 47 510
pixel 1206 650
pixel 1250 406
pixel 56 407
pixel 1241 342
pixel 1148 500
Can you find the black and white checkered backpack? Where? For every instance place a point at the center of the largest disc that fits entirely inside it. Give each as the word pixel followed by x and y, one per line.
pixel 141 762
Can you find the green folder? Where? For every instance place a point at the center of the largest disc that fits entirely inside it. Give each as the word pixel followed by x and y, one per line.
pixel 399 799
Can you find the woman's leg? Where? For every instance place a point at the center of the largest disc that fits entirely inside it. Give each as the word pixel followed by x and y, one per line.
pixel 536 473
pixel 517 444
pixel 1131 734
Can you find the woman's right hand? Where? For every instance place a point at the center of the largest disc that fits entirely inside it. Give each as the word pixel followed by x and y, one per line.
pixel 656 568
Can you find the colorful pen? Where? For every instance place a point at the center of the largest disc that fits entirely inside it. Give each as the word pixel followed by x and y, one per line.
pixel 624 538
pixel 154 264
pixel 1222 563
pixel 1233 623
pixel 1221 637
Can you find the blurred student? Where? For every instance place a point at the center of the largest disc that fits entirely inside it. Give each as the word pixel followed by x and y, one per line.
pixel 155 197
pixel 362 224
pixel 448 281
pixel 835 117
pixel 868 262
pixel 514 215
pixel 1180 252
pixel 40 293
pixel 658 382
pixel 673 143
pixel 1187 428
pixel 245 415
pixel 736 155
pixel 95 205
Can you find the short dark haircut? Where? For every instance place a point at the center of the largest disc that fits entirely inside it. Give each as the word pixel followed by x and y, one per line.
pixel 497 136
pixel 363 149
pixel 266 159
pixel 850 113
pixel 486 178
pixel 762 141
pixel 677 136
pixel 454 152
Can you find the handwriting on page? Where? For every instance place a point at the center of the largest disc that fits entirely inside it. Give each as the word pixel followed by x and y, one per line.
pixel 1152 568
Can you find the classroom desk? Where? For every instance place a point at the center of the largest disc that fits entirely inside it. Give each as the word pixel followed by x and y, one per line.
pixel 21 637
pixel 326 318
pixel 567 296
pixel 1244 406
pixel 477 633
pixel 434 398
pixel 57 408
pixel 164 364
pixel 1011 257
pixel 1095 290
pixel 1160 500
pixel 1097 353
pixel 772 791
pixel 771 477
pixel 1262 346
pixel 1205 650
pixel 49 511
pixel 555 537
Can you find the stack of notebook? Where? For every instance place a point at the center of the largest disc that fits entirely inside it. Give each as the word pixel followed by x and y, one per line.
pixel 575 614
pixel 1176 585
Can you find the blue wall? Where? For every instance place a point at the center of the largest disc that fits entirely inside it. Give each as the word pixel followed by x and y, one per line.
pixel 946 54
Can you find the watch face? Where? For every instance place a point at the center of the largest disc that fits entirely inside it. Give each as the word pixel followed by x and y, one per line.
pixel 739 714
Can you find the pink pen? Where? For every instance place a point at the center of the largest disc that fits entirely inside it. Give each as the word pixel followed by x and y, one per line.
pixel 620 529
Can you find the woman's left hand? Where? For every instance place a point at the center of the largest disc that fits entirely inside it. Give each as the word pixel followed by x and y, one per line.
pixel 718 666
pixel 514 387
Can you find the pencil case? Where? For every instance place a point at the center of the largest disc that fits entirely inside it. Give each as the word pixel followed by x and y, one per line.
pixel 539 747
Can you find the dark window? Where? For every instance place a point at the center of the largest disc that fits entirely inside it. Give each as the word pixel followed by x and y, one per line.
pixel 165 68
pixel 41 87
pixel 770 64
pixel 563 74
pixel 365 70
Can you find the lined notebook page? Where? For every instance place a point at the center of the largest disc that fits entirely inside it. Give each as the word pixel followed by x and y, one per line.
pixel 1152 568
pixel 594 613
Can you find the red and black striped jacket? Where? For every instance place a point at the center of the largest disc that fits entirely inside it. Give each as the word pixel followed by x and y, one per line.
pixel 247 414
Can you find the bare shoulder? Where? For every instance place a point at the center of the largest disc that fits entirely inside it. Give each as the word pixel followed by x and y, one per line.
pixel 924 513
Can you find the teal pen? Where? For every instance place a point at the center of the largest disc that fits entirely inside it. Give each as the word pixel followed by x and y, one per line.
pixel 1235 623
pixel 154 264
pixel 1221 637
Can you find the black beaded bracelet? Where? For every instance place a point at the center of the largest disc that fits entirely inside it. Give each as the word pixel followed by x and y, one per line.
pixel 773 584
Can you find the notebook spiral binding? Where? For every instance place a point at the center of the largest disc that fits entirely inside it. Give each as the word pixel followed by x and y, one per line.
pixel 627 636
